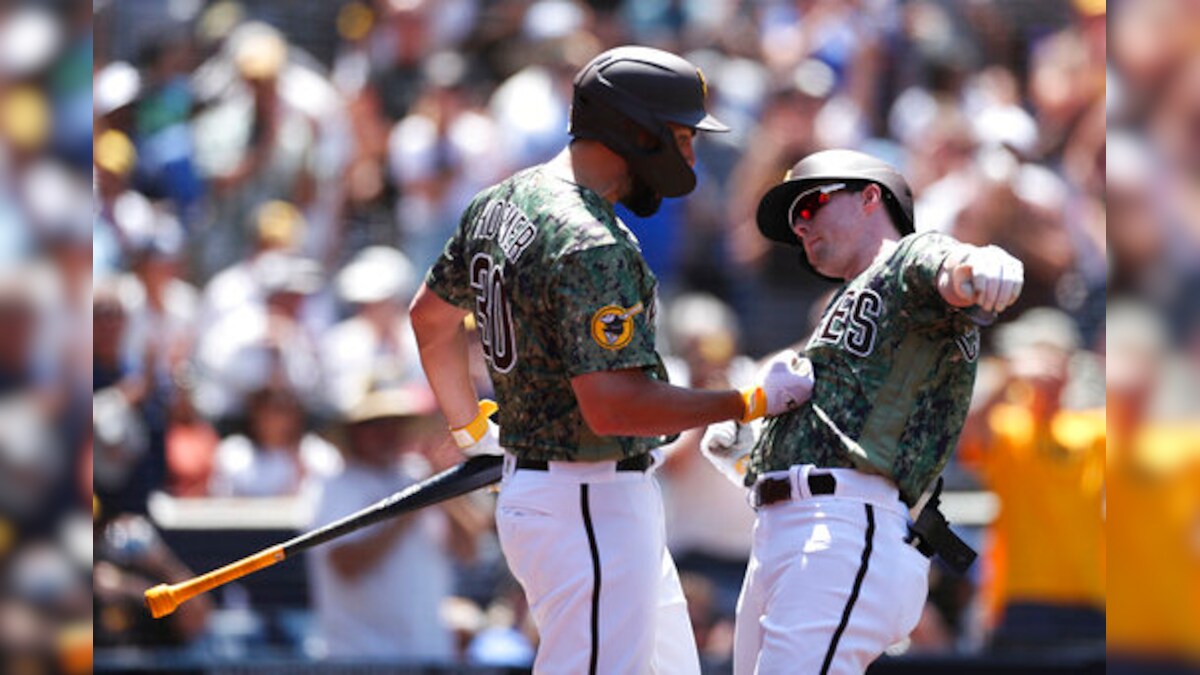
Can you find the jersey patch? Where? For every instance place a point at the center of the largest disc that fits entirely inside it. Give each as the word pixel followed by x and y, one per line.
pixel 612 325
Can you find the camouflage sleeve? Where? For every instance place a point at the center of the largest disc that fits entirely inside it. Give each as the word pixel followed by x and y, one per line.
pixel 602 314
pixel 919 260
pixel 448 276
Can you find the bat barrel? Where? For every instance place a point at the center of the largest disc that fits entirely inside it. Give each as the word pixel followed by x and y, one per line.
pixel 471 475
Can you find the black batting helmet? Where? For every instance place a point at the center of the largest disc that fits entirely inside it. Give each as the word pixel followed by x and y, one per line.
pixel 831 166
pixel 626 96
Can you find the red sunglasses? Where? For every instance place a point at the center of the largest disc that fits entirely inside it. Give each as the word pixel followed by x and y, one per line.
pixel 805 206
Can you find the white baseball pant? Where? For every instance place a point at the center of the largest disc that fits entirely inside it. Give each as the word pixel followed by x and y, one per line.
pixel 831 582
pixel 588 545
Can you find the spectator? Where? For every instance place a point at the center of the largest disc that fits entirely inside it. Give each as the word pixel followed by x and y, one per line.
pixel 1021 208
pixel 440 154
pixel 32 464
pixel 116 89
pixel 20 316
pixel 191 444
pixel 278 227
pixel 122 213
pixel 126 417
pixel 262 342
pixel 377 592
pixel 162 323
pixel 1046 465
pixel 255 144
pixel 375 343
pixel 166 168
pixel 1153 502
pixel 277 455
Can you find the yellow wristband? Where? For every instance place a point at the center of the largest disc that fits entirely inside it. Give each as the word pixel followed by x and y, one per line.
pixel 470 433
pixel 754 400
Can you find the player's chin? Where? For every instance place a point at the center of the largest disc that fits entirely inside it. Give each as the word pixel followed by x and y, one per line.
pixel 819 262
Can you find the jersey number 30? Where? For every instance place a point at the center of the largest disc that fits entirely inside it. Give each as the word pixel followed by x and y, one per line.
pixel 492 313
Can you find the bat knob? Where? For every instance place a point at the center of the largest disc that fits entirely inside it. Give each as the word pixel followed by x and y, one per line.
pixel 160 601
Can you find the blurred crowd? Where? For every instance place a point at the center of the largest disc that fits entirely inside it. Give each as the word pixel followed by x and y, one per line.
pixel 1153 339
pixel 269 181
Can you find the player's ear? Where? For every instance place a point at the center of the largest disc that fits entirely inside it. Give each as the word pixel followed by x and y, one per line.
pixel 872 198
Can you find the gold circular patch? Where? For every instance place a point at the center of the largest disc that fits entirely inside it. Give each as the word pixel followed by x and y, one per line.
pixel 612 327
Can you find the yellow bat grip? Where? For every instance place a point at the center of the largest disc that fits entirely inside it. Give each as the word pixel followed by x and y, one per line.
pixel 163 599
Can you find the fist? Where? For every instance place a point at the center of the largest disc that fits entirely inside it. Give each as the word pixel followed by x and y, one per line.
pixel 783 384
pixel 727 446
pixel 727 439
pixel 991 277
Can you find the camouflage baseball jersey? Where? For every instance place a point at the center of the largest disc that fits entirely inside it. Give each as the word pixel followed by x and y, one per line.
pixel 894 367
pixel 559 288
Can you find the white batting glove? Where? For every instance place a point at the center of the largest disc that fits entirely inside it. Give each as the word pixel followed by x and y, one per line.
pixel 990 276
pixel 480 436
pixel 783 383
pixel 727 445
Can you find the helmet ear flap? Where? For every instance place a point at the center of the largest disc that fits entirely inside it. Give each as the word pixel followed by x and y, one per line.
pixel 643 139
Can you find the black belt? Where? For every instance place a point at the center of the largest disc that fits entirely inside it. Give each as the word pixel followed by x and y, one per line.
pixel 635 463
pixel 774 490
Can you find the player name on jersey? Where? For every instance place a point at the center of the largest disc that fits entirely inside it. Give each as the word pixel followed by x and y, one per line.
pixel 504 222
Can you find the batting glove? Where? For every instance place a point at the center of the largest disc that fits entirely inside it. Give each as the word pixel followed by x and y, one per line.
pixel 727 446
pixel 783 384
pixel 480 436
pixel 991 276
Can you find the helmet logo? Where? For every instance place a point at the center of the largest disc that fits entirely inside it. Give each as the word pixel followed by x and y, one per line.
pixel 703 83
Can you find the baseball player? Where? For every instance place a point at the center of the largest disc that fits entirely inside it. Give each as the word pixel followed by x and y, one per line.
pixel 564 304
pixel 836 575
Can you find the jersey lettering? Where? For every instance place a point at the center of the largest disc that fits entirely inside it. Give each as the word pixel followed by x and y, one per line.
pixel 493 314
pixel 504 222
pixel 835 323
pixel 852 323
pixel 860 340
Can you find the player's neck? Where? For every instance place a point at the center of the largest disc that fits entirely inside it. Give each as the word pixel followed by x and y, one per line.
pixel 879 247
pixel 592 165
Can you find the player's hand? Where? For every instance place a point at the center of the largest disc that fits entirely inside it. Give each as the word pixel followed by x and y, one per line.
pixel 481 436
pixel 783 383
pixel 727 439
pixel 727 445
pixel 990 276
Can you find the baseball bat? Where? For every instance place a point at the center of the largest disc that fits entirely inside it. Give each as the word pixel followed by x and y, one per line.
pixel 474 473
